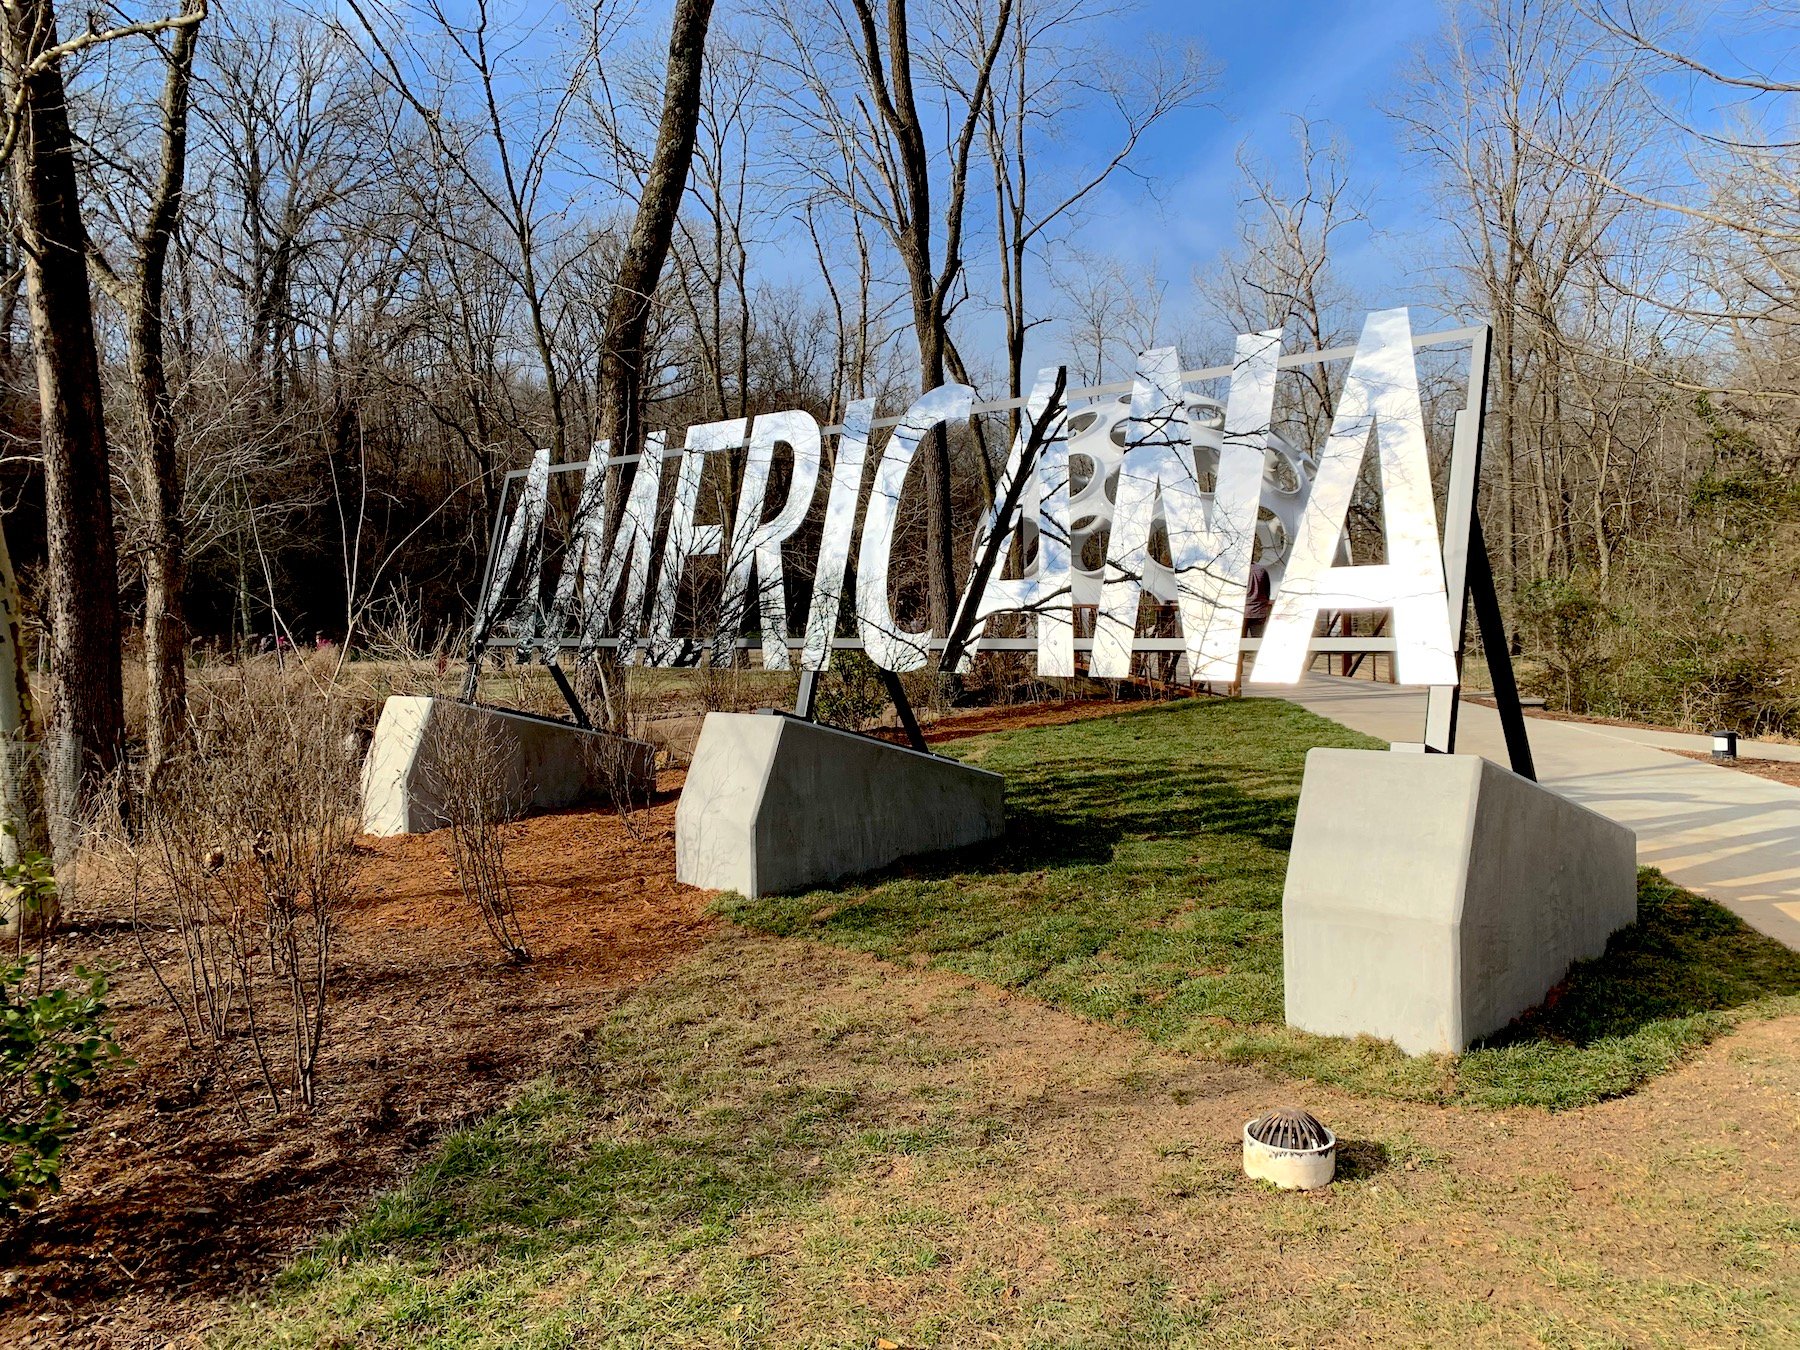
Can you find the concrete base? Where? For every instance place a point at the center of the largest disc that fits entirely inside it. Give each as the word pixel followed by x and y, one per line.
pixel 1431 899
pixel 542 765
pixel 774 804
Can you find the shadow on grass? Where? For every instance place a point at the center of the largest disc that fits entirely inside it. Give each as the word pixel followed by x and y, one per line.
pixel 1073 792
pixel 1140 884
pixel 1360 1159
pixel 1684 957
pixel 1686 972
pixel 1087 821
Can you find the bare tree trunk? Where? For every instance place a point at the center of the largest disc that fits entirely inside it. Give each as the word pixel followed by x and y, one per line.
pixel 647 248
pixel 940 560
pixel 890 80
pixel 157 467
pixel 21 739
pixel 87 706
pixel 928 295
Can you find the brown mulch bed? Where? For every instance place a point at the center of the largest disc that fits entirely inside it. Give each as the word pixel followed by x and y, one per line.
pixel 958 726
pixel 176 1202
pixel 174 1199
pixel 1780 770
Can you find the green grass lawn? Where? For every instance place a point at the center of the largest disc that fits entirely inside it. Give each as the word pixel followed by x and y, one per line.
pixel 1140 882
pixel 789 1143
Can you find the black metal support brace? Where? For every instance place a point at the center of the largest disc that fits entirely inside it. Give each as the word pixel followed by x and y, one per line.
pixel 962 625
pixel 897 692
pixel 477 640
pixel 1499 656
pixel 563 687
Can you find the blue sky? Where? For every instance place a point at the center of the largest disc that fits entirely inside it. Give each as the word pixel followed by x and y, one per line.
pixel 1341 65
pixel 1338 64
pixel 1333 63
pixel 1329 61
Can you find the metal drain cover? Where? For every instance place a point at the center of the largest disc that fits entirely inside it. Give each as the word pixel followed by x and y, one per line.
pixel 1289 1127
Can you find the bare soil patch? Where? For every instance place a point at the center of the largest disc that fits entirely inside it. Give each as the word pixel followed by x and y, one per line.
pixel 174 1199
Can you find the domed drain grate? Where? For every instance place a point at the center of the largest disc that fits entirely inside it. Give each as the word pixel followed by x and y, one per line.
pixel 1289 1127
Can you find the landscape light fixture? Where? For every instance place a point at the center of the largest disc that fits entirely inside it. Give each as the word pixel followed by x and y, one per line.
pixel 1724 745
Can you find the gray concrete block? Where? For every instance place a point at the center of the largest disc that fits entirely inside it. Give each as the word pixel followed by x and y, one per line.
pixel 774 804
pixel 1431 899
pixel 540 765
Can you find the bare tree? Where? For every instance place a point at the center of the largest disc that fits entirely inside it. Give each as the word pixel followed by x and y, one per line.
pixel 1524 123
pixel 87 707
pixel 1107 312
pixel 505 154
pixel 623 345
pixel 917 199
pixel 1732 219
pixel 714 271
pixel 1032 94
pixel 140 292
pixel 1281 273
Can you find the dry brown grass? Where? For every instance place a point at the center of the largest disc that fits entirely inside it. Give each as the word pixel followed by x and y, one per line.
pixel 791 1145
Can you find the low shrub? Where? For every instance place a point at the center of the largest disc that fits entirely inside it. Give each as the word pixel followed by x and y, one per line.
pixel 851 693
pixel 54 1041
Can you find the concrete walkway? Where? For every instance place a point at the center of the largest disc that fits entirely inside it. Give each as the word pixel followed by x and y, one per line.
pixel 1727 834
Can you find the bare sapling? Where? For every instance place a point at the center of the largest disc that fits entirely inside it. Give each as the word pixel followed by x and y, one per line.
pixel 245 861
pixel 474 785
pixel 613 761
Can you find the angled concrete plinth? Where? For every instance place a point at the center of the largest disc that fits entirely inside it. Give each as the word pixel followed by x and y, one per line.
pixel 1730 835
pixel 773 804
pixel 1431 899
pixel 544 764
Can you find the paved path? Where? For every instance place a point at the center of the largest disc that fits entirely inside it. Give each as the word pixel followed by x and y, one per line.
pixel 1725 833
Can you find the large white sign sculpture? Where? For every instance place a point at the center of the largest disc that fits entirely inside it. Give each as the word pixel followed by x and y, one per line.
pixel 1221 486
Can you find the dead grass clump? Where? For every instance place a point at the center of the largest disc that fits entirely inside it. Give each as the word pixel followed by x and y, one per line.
pixel 719 684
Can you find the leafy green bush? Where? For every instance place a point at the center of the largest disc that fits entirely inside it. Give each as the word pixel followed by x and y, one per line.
pixel 54 1040
pixel 851 694
pixel 1569 624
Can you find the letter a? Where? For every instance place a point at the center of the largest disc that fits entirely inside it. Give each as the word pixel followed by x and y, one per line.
pixel 1381 394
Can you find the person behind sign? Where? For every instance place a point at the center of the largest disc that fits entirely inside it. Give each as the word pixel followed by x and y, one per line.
pixel 1256 614
pixel 1256 601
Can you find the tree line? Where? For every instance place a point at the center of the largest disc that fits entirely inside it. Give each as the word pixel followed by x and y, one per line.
pixel 289 292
